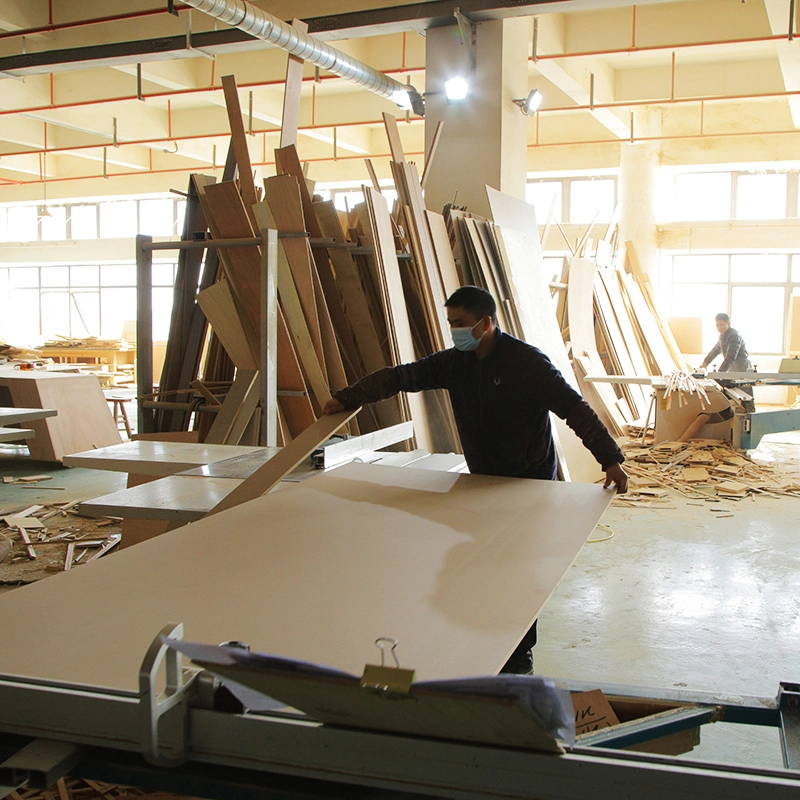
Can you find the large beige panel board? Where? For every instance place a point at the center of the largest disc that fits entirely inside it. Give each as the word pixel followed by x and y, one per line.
pixel 531 288
pixel 453 566
pixel 511 213
pixel 83 420
pixel 688 332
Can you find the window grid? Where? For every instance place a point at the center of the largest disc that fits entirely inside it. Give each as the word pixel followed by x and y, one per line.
pixel 70 288
pixel 790 285
pixel 791 206
pixel 566 196
pixel 7 231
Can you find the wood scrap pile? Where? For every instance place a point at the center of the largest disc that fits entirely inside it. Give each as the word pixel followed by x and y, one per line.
pixel 87 343
pixel 10 353
pixel 702 469
pixel 52 538
pixel 82 789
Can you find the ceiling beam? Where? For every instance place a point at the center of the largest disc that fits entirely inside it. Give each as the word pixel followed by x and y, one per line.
pixel 574 77
pixel 788 53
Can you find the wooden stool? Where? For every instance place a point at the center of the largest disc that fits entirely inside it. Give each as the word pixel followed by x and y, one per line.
pixel 119 407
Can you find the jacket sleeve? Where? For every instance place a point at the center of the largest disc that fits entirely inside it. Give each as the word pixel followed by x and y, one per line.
pixel 564 401
pixel 427 373
pixel 594 435
pixel 731 353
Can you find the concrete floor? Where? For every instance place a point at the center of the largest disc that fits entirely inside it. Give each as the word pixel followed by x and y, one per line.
pixel 679 599
pixel 675 599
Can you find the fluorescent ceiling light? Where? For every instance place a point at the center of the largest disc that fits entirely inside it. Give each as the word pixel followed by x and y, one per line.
pixel 456 89
pixel 401 97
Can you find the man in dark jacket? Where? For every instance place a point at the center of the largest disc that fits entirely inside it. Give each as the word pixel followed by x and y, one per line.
pixel 734 357
pixel 502 391
pixel 730 346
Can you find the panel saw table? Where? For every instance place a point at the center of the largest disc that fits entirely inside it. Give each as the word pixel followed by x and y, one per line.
pixel 102 695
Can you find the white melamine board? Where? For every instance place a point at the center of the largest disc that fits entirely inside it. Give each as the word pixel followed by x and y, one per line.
pixel 156 458
pixel 13 416
pixel 176 498
pixel 456 567
pixel 511 213
pixel 580 306
pixel 530 286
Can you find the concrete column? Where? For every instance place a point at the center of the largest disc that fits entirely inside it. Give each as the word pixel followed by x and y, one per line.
pixel 484 139
pixel 638 173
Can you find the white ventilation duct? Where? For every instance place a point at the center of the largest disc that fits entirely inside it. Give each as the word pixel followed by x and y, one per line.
pixel 258 23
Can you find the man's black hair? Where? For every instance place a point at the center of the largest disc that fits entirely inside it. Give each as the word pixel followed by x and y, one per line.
pixel 723 318
pixel 473 300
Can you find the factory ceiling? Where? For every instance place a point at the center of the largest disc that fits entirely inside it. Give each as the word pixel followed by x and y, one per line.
pixel 90 93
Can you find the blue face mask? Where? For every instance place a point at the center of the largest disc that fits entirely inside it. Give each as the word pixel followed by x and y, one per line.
pixel 464 340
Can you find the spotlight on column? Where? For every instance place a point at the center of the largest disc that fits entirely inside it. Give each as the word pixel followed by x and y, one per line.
pixel 530 104
pixel 456 89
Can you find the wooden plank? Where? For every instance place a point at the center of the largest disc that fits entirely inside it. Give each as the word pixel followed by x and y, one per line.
pixel 373 177
pixel 351 290
pixel 282 194
pixel 643 279
pixel 288 163
pixel 393 134
pixel 396 312
pixel 228 219
pixel 431 154
pixel 230 324
pixel 266 476
pixel 580 306
pixel 297 325
pixel 16 434
pixel 444 253
pixel 225 419
pixel 653 334
pixel 239 142
pixel 296 411
pixel 290 119
pixel 275 571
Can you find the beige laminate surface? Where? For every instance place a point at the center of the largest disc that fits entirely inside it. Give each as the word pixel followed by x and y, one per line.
pixel 156 458
pixel 454 566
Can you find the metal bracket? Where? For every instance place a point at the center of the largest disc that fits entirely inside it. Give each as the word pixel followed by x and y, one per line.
pixel 789 710
pixel 164 743
pixel 40 764
pixel 469 36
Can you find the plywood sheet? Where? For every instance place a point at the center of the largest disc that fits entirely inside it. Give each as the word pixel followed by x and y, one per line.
pixel 317 571
pixel 511 213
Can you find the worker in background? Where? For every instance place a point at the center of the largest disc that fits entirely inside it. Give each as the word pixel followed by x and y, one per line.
pixel 502 391
pixel 734 355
